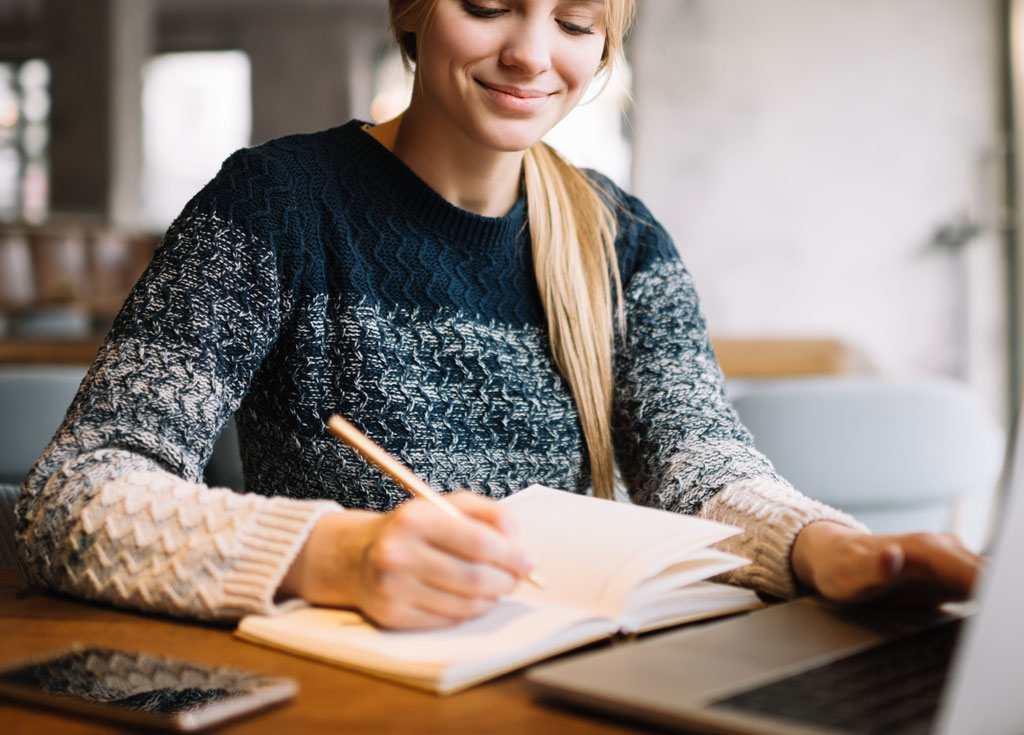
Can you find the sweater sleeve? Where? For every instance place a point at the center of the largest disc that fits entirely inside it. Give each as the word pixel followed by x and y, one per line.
pixel 114 509
pixel 680 445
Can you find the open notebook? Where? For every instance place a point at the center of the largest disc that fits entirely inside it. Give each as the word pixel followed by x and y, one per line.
pixel 607 567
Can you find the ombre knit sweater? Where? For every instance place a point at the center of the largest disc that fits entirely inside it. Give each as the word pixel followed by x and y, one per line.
pixel 317 274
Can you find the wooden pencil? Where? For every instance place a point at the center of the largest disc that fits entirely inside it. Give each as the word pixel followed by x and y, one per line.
pixel 406 478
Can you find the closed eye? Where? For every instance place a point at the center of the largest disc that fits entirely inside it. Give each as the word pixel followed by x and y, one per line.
pixel 480 11
pixel 574 29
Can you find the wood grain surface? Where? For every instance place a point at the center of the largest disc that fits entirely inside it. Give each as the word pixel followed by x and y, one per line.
pixel 330 700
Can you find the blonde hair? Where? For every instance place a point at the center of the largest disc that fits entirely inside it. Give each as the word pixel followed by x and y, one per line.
pixel 572 230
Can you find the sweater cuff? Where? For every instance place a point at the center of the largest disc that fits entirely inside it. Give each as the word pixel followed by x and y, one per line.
pixel 771 514
pixel 266 548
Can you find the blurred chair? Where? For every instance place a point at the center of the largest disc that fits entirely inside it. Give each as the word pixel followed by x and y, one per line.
pixel 225 466
pixel 34 400
pixel 898 454
pixel 67 280
pixel 68 321
pixel 8 497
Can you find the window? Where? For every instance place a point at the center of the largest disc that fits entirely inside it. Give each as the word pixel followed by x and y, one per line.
pixel 196 111
pixel 24 140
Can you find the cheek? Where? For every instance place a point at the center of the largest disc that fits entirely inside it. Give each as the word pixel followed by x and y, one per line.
pixel 580 69
pixel 453 46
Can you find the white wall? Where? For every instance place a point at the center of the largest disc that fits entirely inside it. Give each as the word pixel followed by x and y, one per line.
pixel 803 154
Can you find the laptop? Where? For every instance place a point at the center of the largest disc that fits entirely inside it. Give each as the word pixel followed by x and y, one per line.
pixel 808 666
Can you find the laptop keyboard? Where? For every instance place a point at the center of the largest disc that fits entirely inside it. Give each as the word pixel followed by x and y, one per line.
pixel 893 688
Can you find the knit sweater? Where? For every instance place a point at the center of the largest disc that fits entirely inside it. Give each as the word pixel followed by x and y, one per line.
pixel 317 274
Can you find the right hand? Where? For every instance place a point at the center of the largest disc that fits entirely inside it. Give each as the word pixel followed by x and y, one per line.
pixel 847 565
pixel 415 567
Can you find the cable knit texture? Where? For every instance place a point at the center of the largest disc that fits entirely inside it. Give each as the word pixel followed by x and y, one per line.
pixel 317 274
pixel 771 513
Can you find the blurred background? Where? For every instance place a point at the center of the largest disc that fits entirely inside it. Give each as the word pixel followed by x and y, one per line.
pixel 839 175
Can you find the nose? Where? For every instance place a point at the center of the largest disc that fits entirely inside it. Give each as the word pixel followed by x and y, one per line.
pixel 527 50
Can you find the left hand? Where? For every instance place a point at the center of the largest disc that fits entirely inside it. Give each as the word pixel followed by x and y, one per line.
pixel 847 565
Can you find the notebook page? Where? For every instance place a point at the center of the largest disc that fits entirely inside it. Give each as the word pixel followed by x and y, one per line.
pixel 512 631
pixel 694 602
pixel 586 546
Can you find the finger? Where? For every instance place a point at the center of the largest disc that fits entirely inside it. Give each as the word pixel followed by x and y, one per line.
pixel 443 605
pixel 937 568
pixel 871 566
pixel 453 575
pixel 407 616
pixel 486 510
pixel 942 560
pixel 470 538
pixel 893 561
pixel 890 565
pixel 410 574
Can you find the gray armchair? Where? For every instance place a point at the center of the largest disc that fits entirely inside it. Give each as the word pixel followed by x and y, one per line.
pixel 35 399
pixel 899 454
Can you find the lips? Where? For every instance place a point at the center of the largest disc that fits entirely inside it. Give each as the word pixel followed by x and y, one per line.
pixel 513 100
pixel 519 92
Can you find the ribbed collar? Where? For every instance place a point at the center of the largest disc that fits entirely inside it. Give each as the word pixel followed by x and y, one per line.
pixel 417 198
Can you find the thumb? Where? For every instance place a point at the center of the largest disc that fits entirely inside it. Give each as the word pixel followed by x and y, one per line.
pixel 878 570
pixel 891 560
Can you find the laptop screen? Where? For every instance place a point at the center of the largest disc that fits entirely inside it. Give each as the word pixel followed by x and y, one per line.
pixel 988 670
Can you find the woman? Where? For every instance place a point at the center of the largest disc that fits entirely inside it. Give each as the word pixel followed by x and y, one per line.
pixel 385 273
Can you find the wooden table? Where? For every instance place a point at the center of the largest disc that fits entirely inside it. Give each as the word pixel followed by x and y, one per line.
pixel 50 351
pixel 330 700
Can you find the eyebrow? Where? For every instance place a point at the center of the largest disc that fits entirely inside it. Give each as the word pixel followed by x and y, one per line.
pixel 584 2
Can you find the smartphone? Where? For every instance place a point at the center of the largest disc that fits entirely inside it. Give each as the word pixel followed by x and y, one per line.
pixel 140 688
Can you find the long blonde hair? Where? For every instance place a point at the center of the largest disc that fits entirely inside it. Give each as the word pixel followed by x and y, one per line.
pixel 572 231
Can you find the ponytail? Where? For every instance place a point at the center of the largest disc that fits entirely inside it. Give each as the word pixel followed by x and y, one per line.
pixel 573 241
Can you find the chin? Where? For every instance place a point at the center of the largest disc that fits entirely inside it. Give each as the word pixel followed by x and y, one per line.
pixel 512 137
pixel 512 146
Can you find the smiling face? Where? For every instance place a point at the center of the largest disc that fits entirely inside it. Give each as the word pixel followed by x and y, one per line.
pixel 502 72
